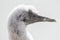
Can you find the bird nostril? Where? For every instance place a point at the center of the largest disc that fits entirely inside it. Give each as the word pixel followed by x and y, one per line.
pixel 34 16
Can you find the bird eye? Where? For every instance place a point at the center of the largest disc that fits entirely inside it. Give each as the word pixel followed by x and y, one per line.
pixel 24 19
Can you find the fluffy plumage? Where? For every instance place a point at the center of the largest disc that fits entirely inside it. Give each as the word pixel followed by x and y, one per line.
pixel 19 18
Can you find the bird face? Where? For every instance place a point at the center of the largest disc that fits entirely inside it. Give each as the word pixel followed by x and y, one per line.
pixel 31 17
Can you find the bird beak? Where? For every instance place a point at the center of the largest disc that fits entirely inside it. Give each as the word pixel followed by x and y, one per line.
pixel 37 18
pixel 44 19
pixel 49 19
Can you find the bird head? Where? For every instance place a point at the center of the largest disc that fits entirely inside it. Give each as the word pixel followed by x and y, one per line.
pixel 31 17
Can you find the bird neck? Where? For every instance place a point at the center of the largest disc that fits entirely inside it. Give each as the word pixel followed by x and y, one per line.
pixel 17 30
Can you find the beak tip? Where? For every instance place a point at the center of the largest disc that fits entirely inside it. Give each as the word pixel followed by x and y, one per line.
pixel 52 20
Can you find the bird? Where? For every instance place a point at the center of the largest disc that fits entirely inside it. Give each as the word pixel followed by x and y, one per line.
pixel 19 18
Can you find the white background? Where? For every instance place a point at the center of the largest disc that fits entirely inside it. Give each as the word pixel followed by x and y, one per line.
pixel 39 31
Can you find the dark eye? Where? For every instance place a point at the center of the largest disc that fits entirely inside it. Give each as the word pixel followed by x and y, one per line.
pixel 24 19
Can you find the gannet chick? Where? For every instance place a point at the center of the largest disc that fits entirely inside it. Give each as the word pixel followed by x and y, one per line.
pixel 21 17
